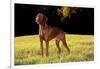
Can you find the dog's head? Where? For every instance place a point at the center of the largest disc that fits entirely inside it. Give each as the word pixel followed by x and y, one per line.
pixel 41 18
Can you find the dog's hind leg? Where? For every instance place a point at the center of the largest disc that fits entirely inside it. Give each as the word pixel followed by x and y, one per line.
pixel 65 44
pixel 57 44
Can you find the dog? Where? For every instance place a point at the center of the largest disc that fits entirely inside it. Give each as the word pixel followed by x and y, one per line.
pixel 47 33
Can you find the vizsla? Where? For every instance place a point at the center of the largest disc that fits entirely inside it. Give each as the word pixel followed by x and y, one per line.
pixel 47 33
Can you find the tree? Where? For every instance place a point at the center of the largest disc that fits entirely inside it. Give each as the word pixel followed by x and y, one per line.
pixel 66 12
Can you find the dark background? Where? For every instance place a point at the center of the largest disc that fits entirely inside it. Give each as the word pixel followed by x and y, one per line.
pixel 80 23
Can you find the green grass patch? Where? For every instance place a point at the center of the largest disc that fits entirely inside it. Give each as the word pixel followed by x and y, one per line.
pixel 27 50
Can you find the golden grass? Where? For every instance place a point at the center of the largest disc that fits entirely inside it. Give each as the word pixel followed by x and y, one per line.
pixel 27 50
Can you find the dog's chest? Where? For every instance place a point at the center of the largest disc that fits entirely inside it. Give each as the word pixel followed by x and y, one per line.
pixel 43 32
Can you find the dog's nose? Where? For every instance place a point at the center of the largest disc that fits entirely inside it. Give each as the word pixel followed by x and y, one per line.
pixel 37 20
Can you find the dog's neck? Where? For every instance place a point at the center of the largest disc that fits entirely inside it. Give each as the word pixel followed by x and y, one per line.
pixel 43 26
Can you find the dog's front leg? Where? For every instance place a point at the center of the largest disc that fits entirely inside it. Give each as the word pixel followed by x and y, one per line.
pixel 41 45
pixel 47 45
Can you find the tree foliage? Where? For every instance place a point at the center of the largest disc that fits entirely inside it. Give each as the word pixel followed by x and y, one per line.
pixel 65 12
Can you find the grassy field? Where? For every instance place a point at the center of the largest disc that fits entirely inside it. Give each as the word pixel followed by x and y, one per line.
pixel 27 50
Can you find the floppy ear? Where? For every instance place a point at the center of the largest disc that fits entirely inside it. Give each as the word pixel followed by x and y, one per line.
pixel 45 19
